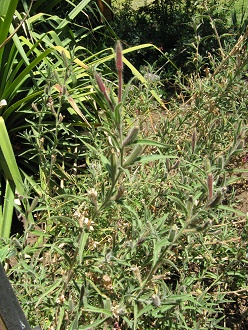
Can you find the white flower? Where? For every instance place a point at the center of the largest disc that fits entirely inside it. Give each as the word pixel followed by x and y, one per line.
pixel 89 224
pixel 3 103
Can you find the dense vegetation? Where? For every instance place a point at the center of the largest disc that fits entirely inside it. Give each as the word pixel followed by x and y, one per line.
pixel 124 162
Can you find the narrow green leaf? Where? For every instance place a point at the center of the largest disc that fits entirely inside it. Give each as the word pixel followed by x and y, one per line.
pixel 151 143
pixel 7 9
pixel 232 210
pixel 94 324
pixel 4 252
pixel 8 207
pixel 24 74
pixel 82 244
pixel 9 157
pixel 10 168
pixel 16 105
pixel 6 16
pixel 60 317
pixel 73 13
pixel 179 203
pixel 145 310
pixel 94 309
pixel 152 158
pixel 49 290
pixel 18 45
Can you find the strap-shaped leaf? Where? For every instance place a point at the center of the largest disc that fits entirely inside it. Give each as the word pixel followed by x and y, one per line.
pixel 13 181
pixel 9 158
pixel 7 9
pixel 6 213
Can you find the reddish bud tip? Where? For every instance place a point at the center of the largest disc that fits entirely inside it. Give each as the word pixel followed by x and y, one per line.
pixel 118 60
pixel 100 83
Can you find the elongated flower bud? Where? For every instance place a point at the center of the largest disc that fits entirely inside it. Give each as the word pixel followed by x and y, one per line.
pixel 103 89
pixel 134 155
pixel 210 185
pixel 118 60
pixel 168 164
pixel 193 142
pixel 131 136
pixel 119 67
pixel 100 83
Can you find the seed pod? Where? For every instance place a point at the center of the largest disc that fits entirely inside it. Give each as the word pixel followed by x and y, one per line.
pixel 65 60
pixel 131 136
pixel 189 205
pixel 207 165
pixel 172 233
pixel 113 166
pixel 134 155
pixel 221 162
pixel 61 117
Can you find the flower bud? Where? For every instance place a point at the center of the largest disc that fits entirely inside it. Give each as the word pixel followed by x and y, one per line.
pixel 172 233
pixel 210 185
pixel 131 136
pixel 118 60
pixel 134 155
pixel 193 141
pixel 207 165
pixel 113 168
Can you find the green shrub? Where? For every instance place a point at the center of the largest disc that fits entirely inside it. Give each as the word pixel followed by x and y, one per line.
pixel 137 222
pixel 147 236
